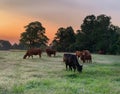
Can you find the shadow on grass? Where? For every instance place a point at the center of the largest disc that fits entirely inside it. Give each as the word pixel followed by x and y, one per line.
pixel 72 75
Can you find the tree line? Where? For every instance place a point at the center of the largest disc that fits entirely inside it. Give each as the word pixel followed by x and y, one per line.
pixel 6 45
pixel 96 33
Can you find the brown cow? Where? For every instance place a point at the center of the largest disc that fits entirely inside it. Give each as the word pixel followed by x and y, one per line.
pixel 78 53
pixel 33 51
pixel 84 55
pixel 50 52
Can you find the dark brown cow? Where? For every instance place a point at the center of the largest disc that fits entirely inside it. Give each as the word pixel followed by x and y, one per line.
pixel 32 51
pixel 50 52
pixel 71 61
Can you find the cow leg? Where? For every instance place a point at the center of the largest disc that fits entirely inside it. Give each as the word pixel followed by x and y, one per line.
pixel 32 56
pixel 49 55
pixel 91 60
pixel 28 56
pixel 87 60
pixel 70 67
pixel 39 55
pixel 54 54
pixel 66 67
pixel 83 61
pixel 74 68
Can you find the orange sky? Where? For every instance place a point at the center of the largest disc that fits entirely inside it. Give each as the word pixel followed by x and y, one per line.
pixel 11 27
pixel 53 14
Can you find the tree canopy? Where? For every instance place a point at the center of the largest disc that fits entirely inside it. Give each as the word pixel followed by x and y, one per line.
pixel 34 35
pixel 64 38
pixel 97 33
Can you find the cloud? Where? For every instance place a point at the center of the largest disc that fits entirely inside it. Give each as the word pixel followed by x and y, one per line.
pixel 59 5
pixel 57 11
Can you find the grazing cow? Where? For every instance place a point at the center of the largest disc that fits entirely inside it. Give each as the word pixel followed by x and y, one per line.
pixel 50 52
pixel 86 56
pixel 33 51
pixel 71 61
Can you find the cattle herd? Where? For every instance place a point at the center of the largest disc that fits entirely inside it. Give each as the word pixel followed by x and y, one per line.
pixel 71 60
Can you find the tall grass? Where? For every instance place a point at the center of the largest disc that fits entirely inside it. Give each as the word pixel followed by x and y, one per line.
pixel 47 75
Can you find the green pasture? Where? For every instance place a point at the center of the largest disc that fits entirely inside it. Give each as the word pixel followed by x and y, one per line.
pixel 47 75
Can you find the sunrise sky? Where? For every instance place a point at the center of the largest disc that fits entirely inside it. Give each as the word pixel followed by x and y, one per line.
pixel 15 14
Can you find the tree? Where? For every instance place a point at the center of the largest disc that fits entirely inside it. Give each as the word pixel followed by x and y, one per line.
pixel 88 24
pixel 34 35
pixel 80 40
pixel 101 33
pixel 64 38
pixel 84 37
pixel 97 33
pixel 114 40
pixel 5 45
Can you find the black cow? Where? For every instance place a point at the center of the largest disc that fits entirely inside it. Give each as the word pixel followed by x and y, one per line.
pixel 71 61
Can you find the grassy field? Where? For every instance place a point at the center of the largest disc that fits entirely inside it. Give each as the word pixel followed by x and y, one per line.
pixel 47 75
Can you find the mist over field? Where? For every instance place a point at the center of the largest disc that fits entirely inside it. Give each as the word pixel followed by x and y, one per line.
pixel 47 75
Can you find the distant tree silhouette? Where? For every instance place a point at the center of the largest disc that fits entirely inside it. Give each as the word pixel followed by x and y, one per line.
pixel 34 35
pixel 15 46
pixel 5 45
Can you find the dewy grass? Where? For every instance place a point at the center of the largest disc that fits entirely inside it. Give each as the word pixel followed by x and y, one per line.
pixel 47 75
